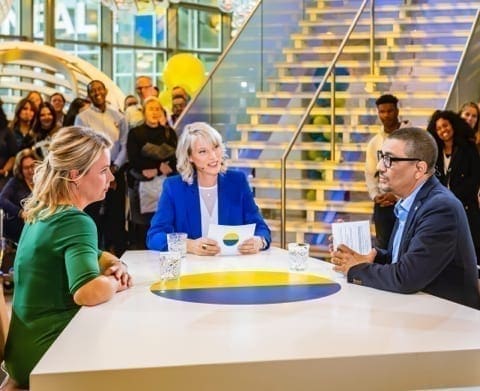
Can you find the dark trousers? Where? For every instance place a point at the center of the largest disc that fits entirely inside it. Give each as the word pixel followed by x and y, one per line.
pixel 384 220
pixel 109 216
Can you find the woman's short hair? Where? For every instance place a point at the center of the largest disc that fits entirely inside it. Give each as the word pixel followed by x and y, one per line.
pixel 72 148
pixel 17 166
pixel 190 134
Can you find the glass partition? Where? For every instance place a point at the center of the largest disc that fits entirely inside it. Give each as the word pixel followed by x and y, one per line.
pixel 246 66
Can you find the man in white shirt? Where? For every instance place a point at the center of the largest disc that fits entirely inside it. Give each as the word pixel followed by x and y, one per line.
pixel 109 215
pixel 383 215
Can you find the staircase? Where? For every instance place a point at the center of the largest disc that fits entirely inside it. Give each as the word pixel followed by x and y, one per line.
pixel 418 46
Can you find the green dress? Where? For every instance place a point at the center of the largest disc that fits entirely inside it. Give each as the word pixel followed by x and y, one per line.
pixel 55 257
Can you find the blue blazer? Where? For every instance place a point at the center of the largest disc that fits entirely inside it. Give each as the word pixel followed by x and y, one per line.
pixel 179 209
pixel 436 253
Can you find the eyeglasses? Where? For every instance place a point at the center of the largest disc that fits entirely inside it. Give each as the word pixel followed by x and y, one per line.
pixel 140 88
pixel 387 160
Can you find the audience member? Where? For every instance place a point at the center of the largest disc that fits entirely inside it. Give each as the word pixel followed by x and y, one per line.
pixel 17 189
pixel 180 91
pixel 58 266
pixel 23 122
pixel 470 112
pixel 77 106
pixel 57 100
pixel 383 216
pixel 36 98
pixel 110 213
pixel 8 149
pixel 431 248
pixel 178 105
pixel 458 165
pixel 151 154
pixel 130 100
pixel 144 89
pixel 205 193
pixel 45 127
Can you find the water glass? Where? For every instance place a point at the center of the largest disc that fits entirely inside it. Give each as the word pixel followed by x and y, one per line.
pixel 170 265
pixel 177 241
pixel 298 255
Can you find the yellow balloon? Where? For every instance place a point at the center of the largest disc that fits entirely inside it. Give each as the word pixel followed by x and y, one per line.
pixel 184 70
pixel 165 98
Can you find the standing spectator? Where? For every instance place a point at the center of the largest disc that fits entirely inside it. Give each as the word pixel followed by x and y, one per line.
pixel 57 100
pixel 457 166
pixel 130 100
pixel 151 154
pixel 144 89
pixel 17 189
pixel 8 148
pixel 470 112
pixel 77 106
pixel 110 214
pixel 45 127
pixel 178 105
pixel 383 216
pixel 36 98
pixel 23 122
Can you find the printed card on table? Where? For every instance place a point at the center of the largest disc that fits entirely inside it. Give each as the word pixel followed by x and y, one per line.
pixel 230 236
pixel 354 234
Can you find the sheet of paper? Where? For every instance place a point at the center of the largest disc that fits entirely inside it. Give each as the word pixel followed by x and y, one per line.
pixel 230 236
pixel 354 234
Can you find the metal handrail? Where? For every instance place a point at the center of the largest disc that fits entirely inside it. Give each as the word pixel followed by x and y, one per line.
pixel 303 120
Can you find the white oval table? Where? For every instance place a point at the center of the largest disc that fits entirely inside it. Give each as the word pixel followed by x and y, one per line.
pixel 358 338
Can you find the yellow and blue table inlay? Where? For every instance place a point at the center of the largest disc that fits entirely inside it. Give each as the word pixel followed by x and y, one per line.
pixel 246 287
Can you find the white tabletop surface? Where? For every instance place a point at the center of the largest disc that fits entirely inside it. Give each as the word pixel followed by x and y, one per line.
pixel 358 337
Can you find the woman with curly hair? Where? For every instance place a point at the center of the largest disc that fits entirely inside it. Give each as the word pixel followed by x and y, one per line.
pixel 458 164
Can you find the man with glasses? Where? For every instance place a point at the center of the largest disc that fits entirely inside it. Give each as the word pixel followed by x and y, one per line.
pixel 134 113
pixel 431 248
pixel 383 217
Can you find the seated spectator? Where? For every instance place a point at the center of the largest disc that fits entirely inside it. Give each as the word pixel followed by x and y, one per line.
pixel 151 154
pixel 77 106
pixel 17 189
pixel 58 266
pixel 431 249
pixel 204 193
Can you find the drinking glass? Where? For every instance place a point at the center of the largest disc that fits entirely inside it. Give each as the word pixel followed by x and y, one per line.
pixel 177 241
pixel 170 263
pixel 298 255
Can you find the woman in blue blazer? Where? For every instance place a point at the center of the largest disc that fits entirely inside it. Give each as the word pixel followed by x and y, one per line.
pixel 205 193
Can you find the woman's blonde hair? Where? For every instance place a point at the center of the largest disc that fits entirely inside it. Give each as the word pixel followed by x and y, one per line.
pixel 72 148
pixel 190 134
